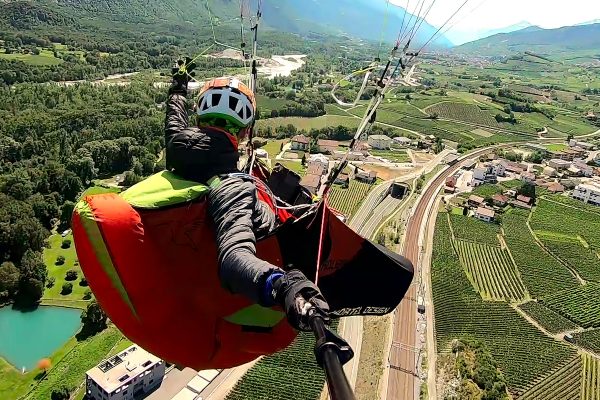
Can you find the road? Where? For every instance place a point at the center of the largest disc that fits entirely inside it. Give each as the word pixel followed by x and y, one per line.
pixel 402 379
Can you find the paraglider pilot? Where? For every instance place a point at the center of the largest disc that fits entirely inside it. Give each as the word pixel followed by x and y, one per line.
pixel 208 153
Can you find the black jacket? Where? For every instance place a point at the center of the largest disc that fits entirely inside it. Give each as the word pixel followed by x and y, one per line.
pixel 239 218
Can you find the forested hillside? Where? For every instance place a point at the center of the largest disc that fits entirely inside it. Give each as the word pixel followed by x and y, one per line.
pixel 54 141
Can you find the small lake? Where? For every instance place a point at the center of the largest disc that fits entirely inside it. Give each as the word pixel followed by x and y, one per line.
pixel 27 337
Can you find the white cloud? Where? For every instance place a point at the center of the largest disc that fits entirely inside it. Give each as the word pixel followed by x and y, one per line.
pixel 478 15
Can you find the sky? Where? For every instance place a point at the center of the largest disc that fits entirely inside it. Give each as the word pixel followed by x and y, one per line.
pixel 480 15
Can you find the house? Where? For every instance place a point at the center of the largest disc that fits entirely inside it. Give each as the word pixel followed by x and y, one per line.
pixel 311 182
pixel 362 147
pixel 401 141
pixel 328 146
pixel 300 143
pixel 520 204
pixel 319 159
pixel 316 169
pixel 451 181
pixel 524 199
pixel 584 145
pixel 558 164
pixel 485 214
pixel 568 155
pixel 584 169
pixel 510 193
pixel 261 153
pixel 351 156
pixel 500 200
pixel 556 187
pixel 475 201
pixel 588 192
pixel 528 177
pixel 130 373
pixel 342 179
pixel 550 172
pixel 451 159
pixel 366 176
pixel 591 116
pixel 498 167
pixel 380 142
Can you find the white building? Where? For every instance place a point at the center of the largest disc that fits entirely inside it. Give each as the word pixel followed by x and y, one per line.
pixel 130 373
pixel 588 192
pixel 583 145
pixel 498 167
pixel 485 214
pixel 320 159
pixel 380 142
pixel 559 165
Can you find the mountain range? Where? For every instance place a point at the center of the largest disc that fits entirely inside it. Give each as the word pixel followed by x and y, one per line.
pixel 536 39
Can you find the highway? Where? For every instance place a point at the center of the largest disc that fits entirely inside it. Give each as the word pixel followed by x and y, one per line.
pixel 402 379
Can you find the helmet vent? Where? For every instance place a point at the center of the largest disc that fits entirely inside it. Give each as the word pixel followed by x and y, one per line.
pixel 216 98
pixel 233 102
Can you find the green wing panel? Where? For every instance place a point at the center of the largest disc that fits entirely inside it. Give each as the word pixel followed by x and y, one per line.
pixel 163 190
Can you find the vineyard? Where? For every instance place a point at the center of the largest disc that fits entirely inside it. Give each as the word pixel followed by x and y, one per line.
pixel 290 374
pixel 552 217
pixel 551 321
pixel 564 383
pixel 589 340
pixel 571 252
pixel 591 378
pixel 473 230
pixel 580 305
pixel 523 353
pixel 541 273
pixel 463 112
pixel 348 200
pixel 567 201
pixel 491 271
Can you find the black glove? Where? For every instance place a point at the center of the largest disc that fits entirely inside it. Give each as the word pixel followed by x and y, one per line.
pixel 182 73
pixel 299 297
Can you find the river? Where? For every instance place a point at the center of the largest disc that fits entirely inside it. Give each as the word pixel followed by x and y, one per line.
pixel 27 337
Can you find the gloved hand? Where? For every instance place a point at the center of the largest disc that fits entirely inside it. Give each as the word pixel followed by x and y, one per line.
pixel 182 73
pixel 297 295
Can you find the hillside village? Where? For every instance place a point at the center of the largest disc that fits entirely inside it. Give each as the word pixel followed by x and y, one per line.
pixel 487 188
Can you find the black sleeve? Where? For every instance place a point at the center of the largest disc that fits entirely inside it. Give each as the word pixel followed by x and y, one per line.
pixel 232 206
pixel 177 116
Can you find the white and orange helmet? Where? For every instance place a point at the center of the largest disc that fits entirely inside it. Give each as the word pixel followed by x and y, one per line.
pixel 227 101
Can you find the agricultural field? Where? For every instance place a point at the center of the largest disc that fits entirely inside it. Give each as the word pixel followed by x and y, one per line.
pixel 564 383
pixel 550 217
pixel 58 272
pixel 472 230
pixel 522 352
pixel 548 319
pixel 591 377
pixel 491 271
pixel 542 274
pixel 45 58
pixel 572 252
pixel 567 201
pixel 395 156
pixel 307 124
pixel 292 373
pixel 589 340
pixel 348 200
pixel 463 112
pixel 580 305
pixel 487 190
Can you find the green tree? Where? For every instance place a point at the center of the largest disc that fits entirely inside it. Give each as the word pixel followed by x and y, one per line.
pixel 9 280
pixel 66 213
pixel 66 243
pixel 60 260
pixel 71 275
pixel 60 393
pixel 527 189
pixel 67 288
pixel 93 319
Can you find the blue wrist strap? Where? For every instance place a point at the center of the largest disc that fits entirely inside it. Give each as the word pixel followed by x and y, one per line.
pixel 267 296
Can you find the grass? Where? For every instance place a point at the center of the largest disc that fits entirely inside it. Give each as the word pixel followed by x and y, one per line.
pixel 58 272
pixel 557 147
pixel 487 190
pixel 300 123
pixel 99 190
pixel 273 147
pixel 43 59
pixel 294 166
pixel 70 371
pixel 370 369
pixel 399 156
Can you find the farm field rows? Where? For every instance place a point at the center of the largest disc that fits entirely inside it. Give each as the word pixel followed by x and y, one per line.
pixel 564 383
pixel 463 112
pixel 591 377
pixel 571 251
pixel 473 230
pixel 348 200
pixel 523 353
pixel 542 274
pixel 580 305
pixel 589 340
pixel 491 271
pixel 551 321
